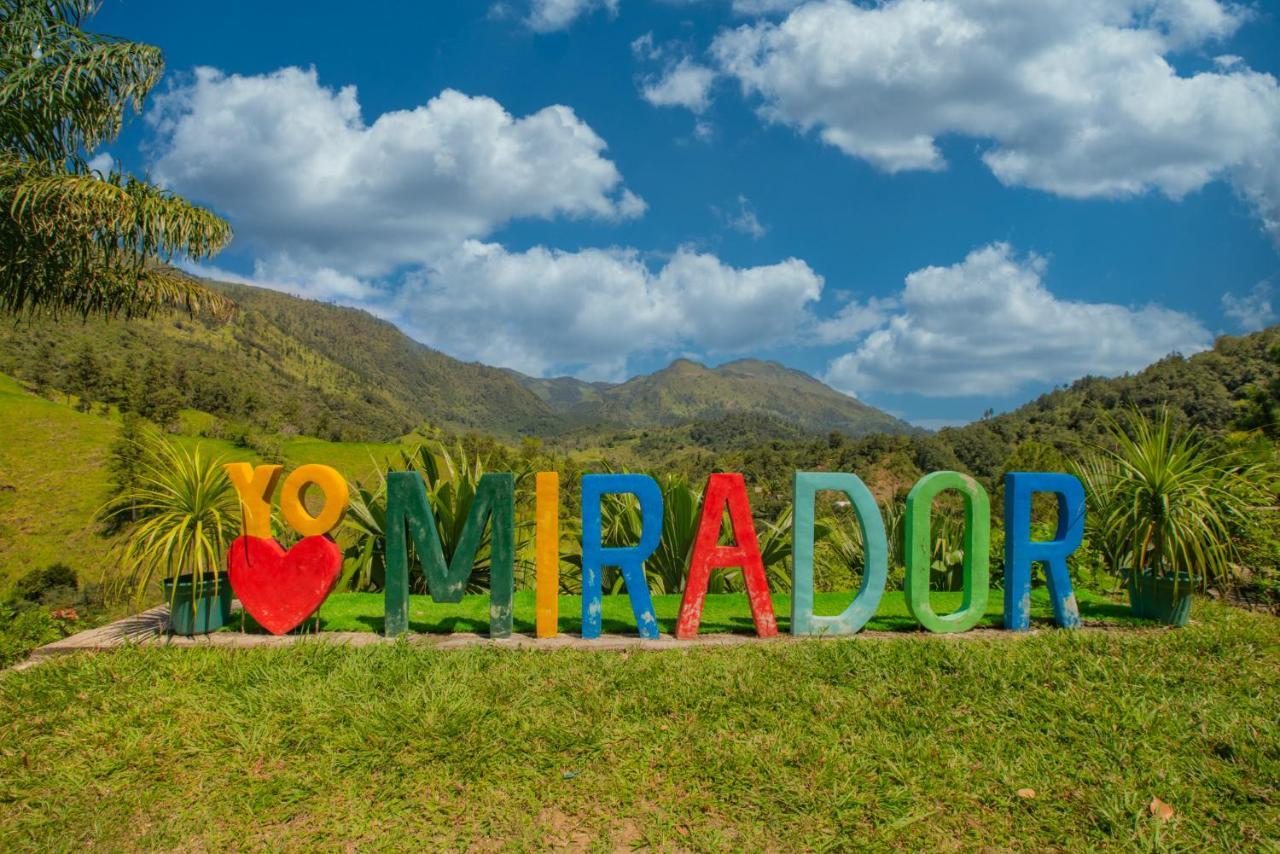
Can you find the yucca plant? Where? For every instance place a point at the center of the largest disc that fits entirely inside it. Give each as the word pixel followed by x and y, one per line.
pixel 1163 506
pixel 452 478
pixel 181 515
pixel 364 564
pixel 666 568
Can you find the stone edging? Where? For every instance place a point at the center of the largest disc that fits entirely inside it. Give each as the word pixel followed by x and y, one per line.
pixel 149 628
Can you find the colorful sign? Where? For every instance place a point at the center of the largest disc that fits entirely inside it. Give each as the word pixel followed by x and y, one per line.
pixel 282 588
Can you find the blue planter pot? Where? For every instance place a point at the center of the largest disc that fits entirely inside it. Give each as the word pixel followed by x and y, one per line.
pixel 198 609
pixel 1161 598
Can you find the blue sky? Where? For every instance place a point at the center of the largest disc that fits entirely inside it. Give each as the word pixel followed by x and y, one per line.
pixel 938 205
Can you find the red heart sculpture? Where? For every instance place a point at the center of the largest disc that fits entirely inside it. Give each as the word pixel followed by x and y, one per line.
pixel 282 588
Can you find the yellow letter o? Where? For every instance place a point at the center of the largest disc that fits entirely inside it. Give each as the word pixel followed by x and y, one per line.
pixel 295 512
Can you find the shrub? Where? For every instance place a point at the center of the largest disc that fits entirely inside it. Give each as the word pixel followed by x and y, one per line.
pixel 53 582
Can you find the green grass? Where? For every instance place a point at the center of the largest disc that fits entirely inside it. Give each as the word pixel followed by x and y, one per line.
pixel 726 613
pixel 916 743
pixel 52 479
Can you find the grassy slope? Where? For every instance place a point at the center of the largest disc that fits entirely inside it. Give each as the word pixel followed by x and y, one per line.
pixel 53 477
pixel 321 369
pixel 362 612
pixel 916 743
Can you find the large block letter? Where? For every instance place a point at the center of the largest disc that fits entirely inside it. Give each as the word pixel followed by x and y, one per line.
pixel 874 548
pixel 1020 551
pixel 336 499
pixel 629 559
pixel 726 491
pixel 408 507
pixel 254 486
pixel 977 550
pixel 547 553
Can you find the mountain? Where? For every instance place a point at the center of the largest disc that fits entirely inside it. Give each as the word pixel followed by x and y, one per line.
pixel 294 366
pixel 283 364
pixel 686 391
pixel 562 394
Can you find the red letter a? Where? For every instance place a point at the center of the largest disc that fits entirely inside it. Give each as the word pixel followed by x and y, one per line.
pixel 726 490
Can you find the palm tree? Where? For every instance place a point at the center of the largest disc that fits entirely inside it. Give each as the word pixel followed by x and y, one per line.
pixel 71 239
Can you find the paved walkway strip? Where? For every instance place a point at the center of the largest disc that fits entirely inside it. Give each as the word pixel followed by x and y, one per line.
pixel 151 628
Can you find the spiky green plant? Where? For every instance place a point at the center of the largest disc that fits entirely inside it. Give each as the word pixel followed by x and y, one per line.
pixel 72 239
pixel 667 567
pixel 181 515
pixel 1162 502
pixel 452 477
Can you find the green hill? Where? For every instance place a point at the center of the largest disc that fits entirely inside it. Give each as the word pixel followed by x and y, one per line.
pixel 1236 385
pixel 282 364
pixel 686 391
pixel 293 366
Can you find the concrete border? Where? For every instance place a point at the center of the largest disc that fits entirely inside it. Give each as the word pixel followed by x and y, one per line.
pixel 150 628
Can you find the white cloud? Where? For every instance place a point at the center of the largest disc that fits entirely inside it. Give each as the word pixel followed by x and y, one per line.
pixel 744 220
pixel 300 173
pixel 643 47
pixel 853 320
pixel 988 325
pixel 546 311
pixel 1075 97
pixel 389 217
pixel 685 84
pixel 549 15
pixel 101 162
pixel 1254 310
pixel 764 7
pixel 281 273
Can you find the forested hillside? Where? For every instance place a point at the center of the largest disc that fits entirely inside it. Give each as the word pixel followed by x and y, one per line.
pixel 1234 386
pixel 686 391
pixel 293 366
pixel 281 364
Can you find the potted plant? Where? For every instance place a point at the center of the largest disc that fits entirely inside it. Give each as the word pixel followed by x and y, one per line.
pixel 182 514
pixel 1163 507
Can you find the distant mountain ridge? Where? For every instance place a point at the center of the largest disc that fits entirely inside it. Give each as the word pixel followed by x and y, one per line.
pixel 686 391
pixel 294 365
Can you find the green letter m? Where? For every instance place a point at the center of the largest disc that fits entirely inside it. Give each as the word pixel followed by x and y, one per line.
pixel 407 506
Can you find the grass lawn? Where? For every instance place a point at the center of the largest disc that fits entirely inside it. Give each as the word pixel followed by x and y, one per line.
pixel 728 613
pixel 917 743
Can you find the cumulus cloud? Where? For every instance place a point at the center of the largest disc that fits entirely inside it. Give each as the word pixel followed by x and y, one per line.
pixel 853 320
pixel 300 173
pixel 545 310
pixel 1254 310
pixel 547 16
pixel 390 217
pixel 281 273
pixel 1074 97
pixel 685 84
pixel 988 325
